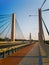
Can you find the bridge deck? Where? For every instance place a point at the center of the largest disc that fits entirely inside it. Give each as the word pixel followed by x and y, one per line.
pixel 34 54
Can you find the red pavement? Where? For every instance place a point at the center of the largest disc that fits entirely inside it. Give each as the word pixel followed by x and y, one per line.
pixel 13 59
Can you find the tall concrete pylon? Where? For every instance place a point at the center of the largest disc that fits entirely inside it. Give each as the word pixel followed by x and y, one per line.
pixel 30 37
pixel 13 27
pixel 40 34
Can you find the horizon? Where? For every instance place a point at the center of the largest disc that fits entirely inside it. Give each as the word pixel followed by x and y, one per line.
pixel 24 8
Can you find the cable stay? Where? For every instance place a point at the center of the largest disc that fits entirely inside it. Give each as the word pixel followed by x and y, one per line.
pixel 1 21
pixel 5 15
pixel 45 26
pixel 3 24
pixel 4 30
pixel 8 31
pixel 19 31
pixel 2 18
pixel 43 3
pixel 43 36
pixel 45 10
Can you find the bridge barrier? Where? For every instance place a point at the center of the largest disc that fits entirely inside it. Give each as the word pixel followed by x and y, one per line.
pixel 5 52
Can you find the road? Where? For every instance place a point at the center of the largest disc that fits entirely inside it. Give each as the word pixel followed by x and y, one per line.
pixel 35 54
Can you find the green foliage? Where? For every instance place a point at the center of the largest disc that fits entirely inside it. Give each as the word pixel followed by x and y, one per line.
pixel 47 42
pixel 2 39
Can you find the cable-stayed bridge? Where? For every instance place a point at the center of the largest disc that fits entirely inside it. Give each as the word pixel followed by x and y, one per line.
pixel 26 52
pixel 9 27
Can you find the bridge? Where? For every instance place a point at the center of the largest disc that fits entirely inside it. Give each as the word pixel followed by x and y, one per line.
pixel 15 49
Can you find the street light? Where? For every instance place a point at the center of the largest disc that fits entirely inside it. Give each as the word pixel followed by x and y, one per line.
pixel 33 15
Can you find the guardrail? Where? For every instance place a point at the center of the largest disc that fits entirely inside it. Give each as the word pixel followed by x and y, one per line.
pixel 5 52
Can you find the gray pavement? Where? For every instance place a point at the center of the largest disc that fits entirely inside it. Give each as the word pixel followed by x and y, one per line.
pixel 37 56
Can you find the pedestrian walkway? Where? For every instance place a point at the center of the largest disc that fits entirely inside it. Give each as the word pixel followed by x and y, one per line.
pixel 15 58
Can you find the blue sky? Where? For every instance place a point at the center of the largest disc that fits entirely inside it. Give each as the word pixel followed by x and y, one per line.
pixel 22 9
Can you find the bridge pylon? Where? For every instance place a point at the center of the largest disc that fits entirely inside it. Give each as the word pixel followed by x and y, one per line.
pixel 30 37
pixel 13 27
pixel 41 33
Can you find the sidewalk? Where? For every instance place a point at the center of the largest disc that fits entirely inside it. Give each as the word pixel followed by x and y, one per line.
pixel 15 58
